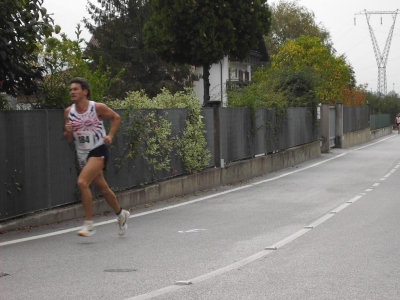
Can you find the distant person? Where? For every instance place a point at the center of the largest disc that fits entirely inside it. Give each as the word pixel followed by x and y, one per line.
pixel 397 121
pixel 84 125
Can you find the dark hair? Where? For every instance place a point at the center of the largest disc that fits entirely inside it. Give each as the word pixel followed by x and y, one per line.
pixel 84 84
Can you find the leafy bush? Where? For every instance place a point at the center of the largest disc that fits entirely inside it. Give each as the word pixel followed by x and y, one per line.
pixel 4 103
pixel 151 138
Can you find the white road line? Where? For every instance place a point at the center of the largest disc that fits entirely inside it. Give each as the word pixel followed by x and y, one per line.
pixel 288 239
pixel 355 198
pixel 299 170
pixel 204 277
pixel 341 207
pixel 380 141
pixel 39 236
pixel 319 221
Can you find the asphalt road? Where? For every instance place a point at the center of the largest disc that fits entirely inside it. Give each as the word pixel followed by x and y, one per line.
pixel 325 229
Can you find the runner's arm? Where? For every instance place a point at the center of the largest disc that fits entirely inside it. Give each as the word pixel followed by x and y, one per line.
pixel 103 111
pixel 68 136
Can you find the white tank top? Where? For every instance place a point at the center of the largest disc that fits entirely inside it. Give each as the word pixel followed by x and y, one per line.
pixel 87 129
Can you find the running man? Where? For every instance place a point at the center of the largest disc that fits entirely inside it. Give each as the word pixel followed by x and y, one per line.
pixel 397 121
pixel 84 125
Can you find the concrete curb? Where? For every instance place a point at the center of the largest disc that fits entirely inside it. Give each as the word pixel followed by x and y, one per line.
pixel 179 186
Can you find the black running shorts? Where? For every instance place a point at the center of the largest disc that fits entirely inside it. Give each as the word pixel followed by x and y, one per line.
pixel 100 151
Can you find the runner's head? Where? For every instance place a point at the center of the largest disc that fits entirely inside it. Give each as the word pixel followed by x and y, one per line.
pixel 83 83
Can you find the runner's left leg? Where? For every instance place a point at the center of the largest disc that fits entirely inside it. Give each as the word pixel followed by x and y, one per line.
pixel 101 184
pixel 122 214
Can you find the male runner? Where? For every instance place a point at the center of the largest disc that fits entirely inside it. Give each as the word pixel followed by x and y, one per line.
pixel 84 125
pixel 397 122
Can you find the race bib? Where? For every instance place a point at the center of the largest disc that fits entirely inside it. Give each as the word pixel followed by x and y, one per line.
pixel 84 140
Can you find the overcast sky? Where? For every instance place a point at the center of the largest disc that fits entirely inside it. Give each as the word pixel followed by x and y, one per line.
pixel 338 16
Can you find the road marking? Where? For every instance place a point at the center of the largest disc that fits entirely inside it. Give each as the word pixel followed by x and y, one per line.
pixel 234 266
pixel 380 141
pixel 288 239
pixel 356 198
pixel 38 236
pixel 192 231
pixel 183 282
pixel 341 207
pixel 204 277
pixel 299 170
pixel 320 221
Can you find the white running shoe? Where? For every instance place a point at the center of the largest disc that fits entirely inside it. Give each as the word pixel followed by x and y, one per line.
pixel 87 229
pixel 123 221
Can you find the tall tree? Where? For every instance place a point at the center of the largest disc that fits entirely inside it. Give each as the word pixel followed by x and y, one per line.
pixel 116 27
pixel 23 24
pixel 65 60
pixel 290 20
pixel 201 33
pixel 333 72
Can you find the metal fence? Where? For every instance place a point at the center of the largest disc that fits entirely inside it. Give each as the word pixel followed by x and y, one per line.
pixel 244 135
pixel 355 118
pixel 380 121
pixel 38 170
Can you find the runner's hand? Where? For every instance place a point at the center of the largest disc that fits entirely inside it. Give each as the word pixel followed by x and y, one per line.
pixel 107 140
pixel 68 127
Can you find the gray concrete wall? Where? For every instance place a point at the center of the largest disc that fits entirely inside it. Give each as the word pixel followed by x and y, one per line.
pixel 354 138
pixel 180 186
pixel 381 132
pixel 358 137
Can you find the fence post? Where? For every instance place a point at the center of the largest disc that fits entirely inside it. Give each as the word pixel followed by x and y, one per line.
pixel 339 125
pixel 217 136
pixel 325 127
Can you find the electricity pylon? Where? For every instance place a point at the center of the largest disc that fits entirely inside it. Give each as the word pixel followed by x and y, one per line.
pixel 381 59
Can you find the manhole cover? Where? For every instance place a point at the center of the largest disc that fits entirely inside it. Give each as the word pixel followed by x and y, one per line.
pixel 120 270
pixel 3 274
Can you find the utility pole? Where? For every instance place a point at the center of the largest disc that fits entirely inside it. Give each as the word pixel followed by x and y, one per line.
pixel 381 58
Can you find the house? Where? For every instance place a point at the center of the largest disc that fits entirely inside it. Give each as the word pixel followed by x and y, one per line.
pixel 229 73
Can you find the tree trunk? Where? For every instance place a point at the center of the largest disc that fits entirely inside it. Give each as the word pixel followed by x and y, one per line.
pixel 206 83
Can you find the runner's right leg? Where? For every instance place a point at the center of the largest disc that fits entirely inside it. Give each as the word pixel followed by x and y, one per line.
pixel 92 168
